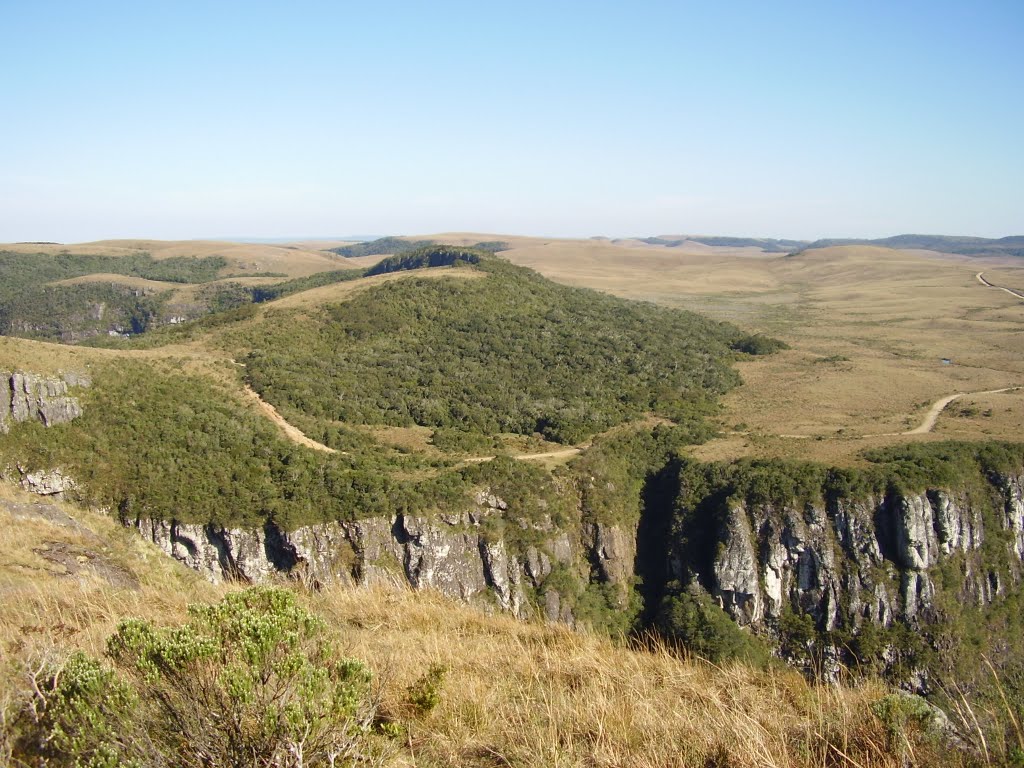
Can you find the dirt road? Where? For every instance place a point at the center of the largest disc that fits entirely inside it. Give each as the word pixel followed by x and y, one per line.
pixel 981 279
pixel 561 453
pixel 939 406
pixel 293 433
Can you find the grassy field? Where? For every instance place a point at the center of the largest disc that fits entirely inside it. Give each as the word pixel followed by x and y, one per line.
pixel 868 327
pixel 243 258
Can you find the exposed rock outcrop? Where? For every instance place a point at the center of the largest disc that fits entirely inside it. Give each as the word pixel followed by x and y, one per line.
pixel 843 562
pixel 450 555
pixel 849 561
pixel 612 551
pixel 29 397
pixel 51 482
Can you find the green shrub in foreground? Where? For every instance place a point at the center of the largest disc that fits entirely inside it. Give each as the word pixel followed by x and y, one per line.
pixel 248 681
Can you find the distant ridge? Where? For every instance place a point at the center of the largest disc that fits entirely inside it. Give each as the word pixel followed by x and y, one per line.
pixel 767 244
pixel 964 246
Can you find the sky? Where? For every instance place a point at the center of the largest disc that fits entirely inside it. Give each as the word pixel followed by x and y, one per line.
pixel 178 120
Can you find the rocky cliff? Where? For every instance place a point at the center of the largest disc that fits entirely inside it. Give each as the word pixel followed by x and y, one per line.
pixel 843 562
pixel 846 561
pixel 26 397
pixel 29 397
pixel 450 554
pixel 835 557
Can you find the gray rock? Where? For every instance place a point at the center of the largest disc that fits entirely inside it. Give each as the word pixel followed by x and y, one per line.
pixel 28 397
pixel 51 482
pixel 538 565
pixel 5 402
pixel 1013 512
pixel 736 584
pixel 916 539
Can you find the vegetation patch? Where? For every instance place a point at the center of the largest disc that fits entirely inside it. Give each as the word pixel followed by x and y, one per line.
pixel 513 353
pixel 252 680
pixel 72 313
pixel 426 256
pixel 380 246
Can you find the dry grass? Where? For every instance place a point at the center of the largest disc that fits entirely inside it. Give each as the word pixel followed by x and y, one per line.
pixel 127 280
pixel 343 291
pixel 515 693
pixel 406 439
pixel 52 608
pixel 868 329
pixel 532 695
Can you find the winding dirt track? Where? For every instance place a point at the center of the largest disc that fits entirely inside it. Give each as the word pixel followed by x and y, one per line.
pixel 981 279
pixel 294 433
pixel 939 406
pixel 561 453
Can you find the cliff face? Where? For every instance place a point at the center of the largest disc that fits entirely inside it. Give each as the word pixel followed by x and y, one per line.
pixel 26 397
pixel 841 561
pixel 449 554
pixel 845 562
pixel 29 397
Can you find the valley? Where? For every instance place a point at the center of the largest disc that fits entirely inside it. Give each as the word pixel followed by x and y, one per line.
pixel 740 453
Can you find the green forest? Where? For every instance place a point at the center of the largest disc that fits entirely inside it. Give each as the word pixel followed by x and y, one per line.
pixel 32 308
pixel 512 353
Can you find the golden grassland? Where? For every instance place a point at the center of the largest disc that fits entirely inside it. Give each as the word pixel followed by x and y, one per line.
pixel 514 693
pixel 338 292
pixel 869 328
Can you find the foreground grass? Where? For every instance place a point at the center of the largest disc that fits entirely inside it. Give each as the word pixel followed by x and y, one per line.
pixel 453 685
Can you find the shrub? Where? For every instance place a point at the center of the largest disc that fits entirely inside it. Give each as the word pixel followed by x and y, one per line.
pixel 425 694
pixel 248 681
pixel 903 713
pixel 694 621
pixel 758 345
pixel 85 706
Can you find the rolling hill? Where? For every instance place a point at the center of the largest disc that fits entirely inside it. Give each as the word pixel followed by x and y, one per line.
pixel 435 375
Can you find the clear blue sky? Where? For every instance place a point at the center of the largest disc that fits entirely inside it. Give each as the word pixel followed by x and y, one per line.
pixel 267 119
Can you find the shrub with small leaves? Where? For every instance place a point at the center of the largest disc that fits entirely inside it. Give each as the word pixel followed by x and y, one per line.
pixel 250 681
pixel 81 722
pixel 425 694
pixel 902 713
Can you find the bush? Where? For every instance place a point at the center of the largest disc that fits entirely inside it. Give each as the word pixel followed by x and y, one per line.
pixel 759 345
pixel 84 708
pixel 249 681
pixel 425 694
pixel 695 622
pixel 903 714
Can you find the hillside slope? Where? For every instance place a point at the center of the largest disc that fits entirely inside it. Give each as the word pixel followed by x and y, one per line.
pixel 907 564
pixel 502 691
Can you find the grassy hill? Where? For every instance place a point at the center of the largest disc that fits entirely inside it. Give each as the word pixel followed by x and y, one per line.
pixel 448 685
pixel 766 244
pixel 390 246
pixel 512 352
pixel 965 246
